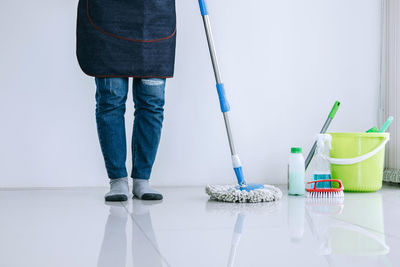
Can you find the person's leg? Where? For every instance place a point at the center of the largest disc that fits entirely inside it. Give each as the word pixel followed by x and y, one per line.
pixel 111 94
pixel 148 95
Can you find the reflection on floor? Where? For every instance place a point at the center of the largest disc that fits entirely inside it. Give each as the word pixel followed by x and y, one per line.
pixel 74 227
pixel 144 244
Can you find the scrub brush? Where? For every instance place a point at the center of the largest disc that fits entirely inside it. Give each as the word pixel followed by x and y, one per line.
pixel 314 192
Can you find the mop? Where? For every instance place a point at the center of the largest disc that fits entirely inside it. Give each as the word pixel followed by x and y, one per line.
pixel 242 192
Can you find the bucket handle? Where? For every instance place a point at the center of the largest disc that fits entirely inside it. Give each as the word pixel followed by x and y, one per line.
pixel 360 158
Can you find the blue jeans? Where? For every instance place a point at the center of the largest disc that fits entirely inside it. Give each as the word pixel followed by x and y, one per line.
pixel 111 95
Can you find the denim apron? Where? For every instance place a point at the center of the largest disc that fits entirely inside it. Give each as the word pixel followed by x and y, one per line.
pixel 126 38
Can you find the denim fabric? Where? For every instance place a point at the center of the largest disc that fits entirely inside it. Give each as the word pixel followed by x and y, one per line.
pixel 148 96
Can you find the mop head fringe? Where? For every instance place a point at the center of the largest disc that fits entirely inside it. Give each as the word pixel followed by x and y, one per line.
pixel 229 193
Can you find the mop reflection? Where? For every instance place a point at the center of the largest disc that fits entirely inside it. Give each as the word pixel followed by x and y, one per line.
pixel 241 210
pixel 113 252
pixel 349 230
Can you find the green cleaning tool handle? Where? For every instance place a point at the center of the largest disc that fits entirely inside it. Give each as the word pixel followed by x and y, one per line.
pixel 334 109
pixel 386 124
pixel 323 130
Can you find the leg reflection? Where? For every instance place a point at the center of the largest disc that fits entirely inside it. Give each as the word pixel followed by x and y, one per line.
pixel 113 248
pixel 145 251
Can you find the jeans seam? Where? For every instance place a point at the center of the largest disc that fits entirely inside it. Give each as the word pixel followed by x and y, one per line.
pixel 133 132
pixel 134 150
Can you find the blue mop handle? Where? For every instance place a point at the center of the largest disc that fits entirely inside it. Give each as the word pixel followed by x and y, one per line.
pixel 223 101
pixel 224 104
pixel 203 7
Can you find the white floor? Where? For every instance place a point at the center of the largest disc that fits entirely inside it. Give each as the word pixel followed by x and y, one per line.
pixel 74 227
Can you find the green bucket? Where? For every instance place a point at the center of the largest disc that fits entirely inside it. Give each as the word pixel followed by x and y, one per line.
pixel 358 160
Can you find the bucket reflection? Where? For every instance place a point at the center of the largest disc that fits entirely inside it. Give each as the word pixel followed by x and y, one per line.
pixel 349 230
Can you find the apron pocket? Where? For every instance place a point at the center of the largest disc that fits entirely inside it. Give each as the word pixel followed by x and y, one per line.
pixel 133 20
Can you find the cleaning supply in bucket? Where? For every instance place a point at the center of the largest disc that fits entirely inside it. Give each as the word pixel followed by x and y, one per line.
pixel 322 165
pixel 242 192
pixel 296 172
pixel 384 127
pixel 313 190
pixel 373 130
pixel 386 124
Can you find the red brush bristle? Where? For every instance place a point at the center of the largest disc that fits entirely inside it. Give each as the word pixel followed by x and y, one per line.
pixel 313 191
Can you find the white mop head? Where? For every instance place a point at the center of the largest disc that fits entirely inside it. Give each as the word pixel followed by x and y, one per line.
pixel 229 193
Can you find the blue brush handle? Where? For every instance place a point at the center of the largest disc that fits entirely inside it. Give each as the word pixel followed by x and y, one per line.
pixel 203 7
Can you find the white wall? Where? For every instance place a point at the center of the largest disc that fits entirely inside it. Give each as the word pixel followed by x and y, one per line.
pixel 284 63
